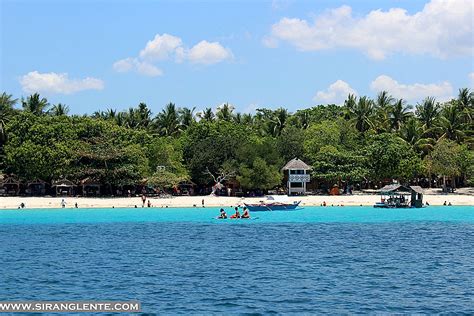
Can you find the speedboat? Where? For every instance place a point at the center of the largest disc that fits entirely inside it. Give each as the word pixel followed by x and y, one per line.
pixel 273 203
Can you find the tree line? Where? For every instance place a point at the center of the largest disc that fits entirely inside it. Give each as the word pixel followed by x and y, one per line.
pixel 362 141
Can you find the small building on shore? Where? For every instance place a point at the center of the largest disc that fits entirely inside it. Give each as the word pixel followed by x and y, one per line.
pixel 400 196
pixel 10 185
pixel 64 187
pixel 297 177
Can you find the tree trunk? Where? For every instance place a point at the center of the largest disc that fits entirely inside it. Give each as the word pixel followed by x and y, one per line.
pixel 445 189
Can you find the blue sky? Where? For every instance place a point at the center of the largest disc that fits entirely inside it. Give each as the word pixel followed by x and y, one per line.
pixel 93 55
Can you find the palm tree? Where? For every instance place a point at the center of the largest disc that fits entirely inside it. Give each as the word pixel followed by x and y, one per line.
pixel 278 121
pixel 59 110
pixel 35 104
pixel 206 115
pixel 7 102
pixel 412 132
pixel 428 112
pixel 450 124
pixel 186 117
pixel 465 103
pixel 144 115
pixel 382 108
pixel 361 114
pixel 349 105
pixel 237 118
pixel 247 119
pixel 224 112
pixel 168 120
pixel 399 114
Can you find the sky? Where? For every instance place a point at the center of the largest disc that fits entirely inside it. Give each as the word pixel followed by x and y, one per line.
pixel 96 55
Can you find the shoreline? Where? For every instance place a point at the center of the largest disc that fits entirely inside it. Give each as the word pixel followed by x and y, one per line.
pixel 217 201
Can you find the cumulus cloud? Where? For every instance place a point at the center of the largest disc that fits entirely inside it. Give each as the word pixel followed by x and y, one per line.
pixel 443 28
pixel 336 93
pixel 168 47
pixel 208 53
pixel 161 47
pixel 443 91
pixel 57 83
pixel 141 67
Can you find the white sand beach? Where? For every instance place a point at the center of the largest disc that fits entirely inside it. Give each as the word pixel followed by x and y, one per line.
pixel 433 197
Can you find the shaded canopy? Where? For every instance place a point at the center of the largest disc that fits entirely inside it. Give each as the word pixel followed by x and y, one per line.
pixel 296 163
pixel 63 183
pixel 391 188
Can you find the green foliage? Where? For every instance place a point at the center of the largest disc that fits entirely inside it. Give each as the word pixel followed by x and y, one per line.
pixel 369 139
pixel 390 157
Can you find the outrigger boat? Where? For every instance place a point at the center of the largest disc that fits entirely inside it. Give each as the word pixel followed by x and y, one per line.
pixel 273 203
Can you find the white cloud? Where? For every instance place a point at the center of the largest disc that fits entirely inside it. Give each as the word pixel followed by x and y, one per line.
pixel 161 47
pixel 208 53
pixel 165 47
pixel 336 93
pixel 141 67
pixel 471 80
pixel 60 83
pixel 443 91
pixel 442 28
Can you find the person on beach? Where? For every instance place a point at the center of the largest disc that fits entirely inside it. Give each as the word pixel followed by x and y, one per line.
pixel 246 213
pixel 75 205
pixel 444 203
pixel 222 215
pixel 22 205
pixel 202 202
pixel 449 204
pixel 149 203
pixel 324 203
pixel 63 203
pixel 237 213
pixel 143 200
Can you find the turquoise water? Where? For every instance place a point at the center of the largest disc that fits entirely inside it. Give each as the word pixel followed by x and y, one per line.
pixel 305 215
pixel 333 260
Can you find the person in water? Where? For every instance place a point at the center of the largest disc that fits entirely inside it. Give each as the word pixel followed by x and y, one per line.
pixel 246 213
pixel 223 214
pixel 237 213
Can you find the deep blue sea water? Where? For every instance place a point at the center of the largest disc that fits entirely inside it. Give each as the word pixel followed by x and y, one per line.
pixel 329 260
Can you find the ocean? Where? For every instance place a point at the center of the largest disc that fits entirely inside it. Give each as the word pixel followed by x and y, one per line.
pixel 315 260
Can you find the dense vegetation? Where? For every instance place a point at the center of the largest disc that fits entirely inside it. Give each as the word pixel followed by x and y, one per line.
pixel 363 141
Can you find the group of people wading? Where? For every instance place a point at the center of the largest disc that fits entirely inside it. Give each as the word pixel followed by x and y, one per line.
pixel 236 215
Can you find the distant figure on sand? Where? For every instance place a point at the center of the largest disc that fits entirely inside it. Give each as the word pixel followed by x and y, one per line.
pixel 143 200
pixel 449 204
pixel 202 202
pixel 63 203
pixel 444 203
pixel 149 203
pixel 75 205
pixel 22 205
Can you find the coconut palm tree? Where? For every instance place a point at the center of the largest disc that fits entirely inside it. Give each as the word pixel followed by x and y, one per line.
pixel 278 121
pixel 144 115
pixel 35 104
pixel 465 103
pixel 59 110
pixel 247 119
pixel 450 124
pixel 206 115
pixel 399 114
pixel 428 112
pixel 413 133
pixel 186 117
pixel 225 112
pixel 167 121
pixel 361 114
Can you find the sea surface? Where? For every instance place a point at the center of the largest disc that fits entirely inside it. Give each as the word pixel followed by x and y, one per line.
pixel 332 260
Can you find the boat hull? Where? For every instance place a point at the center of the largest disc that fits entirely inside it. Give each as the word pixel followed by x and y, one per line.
pixel 271 207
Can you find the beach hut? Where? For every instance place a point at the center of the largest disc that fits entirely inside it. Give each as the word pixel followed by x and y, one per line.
pixel 63 187
pixel 11 185
pixel 400 196
pixel 90 187
pixel 298 176
pixel 36 187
